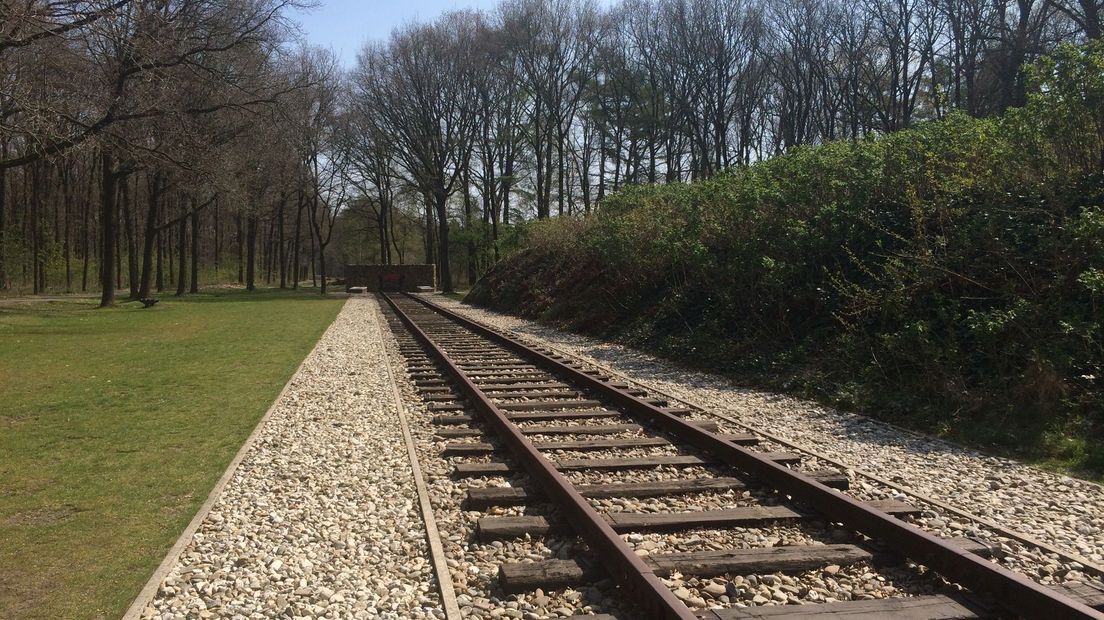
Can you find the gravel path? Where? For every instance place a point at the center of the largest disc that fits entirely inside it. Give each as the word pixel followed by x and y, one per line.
pixel 1062 511
pixel 321 519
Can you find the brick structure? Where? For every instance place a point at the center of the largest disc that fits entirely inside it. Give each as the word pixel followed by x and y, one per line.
pixel 390 277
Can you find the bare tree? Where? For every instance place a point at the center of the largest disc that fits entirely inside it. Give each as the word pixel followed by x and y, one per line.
pixel 428 105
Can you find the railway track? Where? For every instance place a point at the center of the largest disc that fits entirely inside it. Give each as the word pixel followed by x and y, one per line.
pixel 514 408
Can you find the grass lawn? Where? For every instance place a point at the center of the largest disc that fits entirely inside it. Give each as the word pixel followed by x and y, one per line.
pixel 114 426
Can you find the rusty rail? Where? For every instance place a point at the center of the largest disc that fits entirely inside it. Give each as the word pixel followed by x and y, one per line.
pixel 1014 592
pixel 619 558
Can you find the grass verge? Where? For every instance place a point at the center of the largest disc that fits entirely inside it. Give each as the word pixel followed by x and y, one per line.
pixel 117 423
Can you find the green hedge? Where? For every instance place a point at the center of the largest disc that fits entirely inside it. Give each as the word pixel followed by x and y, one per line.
pixel 947 276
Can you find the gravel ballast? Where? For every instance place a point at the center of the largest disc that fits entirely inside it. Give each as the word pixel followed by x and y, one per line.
pixel 321 518
pixel 1058 510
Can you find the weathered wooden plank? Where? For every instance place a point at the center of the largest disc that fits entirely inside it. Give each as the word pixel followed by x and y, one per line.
pixel 512 373
pixel 505 528
pixel 490 528
pixel 419 376
pixel 473 470
pixel 643 462
pixel 581 445
pixel 602 444
pixel 451 406
pixel 537 416
pixel 455 432
pixel 657 461
pixel 479 499
pixel 894 507
pixel 499 528
pixel 640 462
pixel 930 607
pixel 579 429
pixel 553 574
pixel 556 429
pixel 444 396
pixel 587 445
pixel 519 387
pixel 750 515
pixel 537 405
pixel 547 393
pixel 497 366
pixel 468 448
pixel 534 416
pixel 1091 594
pixel 518 577
pixel 789 559
pixel 505 379
pixel 604 429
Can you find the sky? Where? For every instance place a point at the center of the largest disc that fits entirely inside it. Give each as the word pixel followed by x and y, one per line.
pixel 344 25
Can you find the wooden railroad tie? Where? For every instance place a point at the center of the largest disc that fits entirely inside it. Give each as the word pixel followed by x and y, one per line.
pixel 483 498
pixel 468 448
pixel 468 470
pixel 558 429
pixel 518 577
pixel 505 528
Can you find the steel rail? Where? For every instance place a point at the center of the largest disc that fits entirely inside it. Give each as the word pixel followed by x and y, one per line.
pixel 1016 593
pixel 622 562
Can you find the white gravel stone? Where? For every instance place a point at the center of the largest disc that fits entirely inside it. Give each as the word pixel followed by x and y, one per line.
pixel 321 518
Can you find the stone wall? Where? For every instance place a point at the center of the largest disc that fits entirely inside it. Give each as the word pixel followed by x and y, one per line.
pixel 391 276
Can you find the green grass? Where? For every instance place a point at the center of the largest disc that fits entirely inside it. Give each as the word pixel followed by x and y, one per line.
pixel 114 426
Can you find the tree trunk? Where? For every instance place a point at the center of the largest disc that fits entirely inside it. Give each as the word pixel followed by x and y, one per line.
pixel 297 250
pixel 251 253
pixel 241 247
pixel 153 201
pixel 507 183
pixel 181 253
pixel 430 234
pixel 322 267
pixel 560 176
pixel 66 245
pixel 132 254
pixel 34 196
pixel 443 242
pixel 3 216
pixel 118 238
pixel 218 244
pixel 194 286
pixel 168 232
pixel 160 260
pixel 467 226
pixel 86 227
pixel 107 226
pixel 282 250
pixel 313 261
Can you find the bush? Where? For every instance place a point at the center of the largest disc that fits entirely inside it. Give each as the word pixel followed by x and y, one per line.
pixel 948 276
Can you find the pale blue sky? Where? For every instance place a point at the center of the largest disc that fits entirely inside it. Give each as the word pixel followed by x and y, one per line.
pixel 344 25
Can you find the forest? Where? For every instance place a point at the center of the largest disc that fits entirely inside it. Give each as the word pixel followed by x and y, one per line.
pixel 157 145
